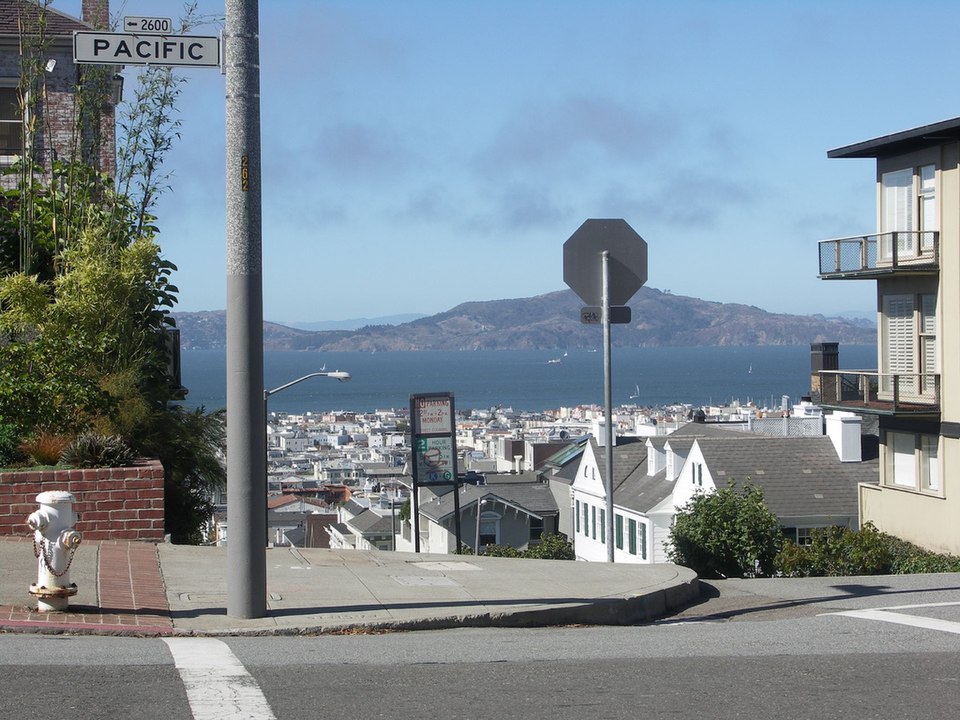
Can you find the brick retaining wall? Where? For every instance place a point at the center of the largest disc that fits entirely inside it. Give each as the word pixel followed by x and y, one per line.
pixel 113 503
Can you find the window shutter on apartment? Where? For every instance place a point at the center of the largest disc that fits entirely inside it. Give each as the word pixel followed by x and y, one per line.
pixel 898 333
pixel 897 199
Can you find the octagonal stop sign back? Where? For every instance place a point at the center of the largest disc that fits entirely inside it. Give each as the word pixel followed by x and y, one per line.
pixel 583 259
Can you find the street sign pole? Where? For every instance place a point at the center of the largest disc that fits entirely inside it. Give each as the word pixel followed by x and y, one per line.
pixel 622 271
pixel 246 422
pixel 608 400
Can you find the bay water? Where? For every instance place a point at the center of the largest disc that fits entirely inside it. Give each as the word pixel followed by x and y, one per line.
pixel 526 380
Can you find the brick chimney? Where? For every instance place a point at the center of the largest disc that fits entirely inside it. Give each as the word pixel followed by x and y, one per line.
pixel 96 13
pixel 823 356
pixel 98 145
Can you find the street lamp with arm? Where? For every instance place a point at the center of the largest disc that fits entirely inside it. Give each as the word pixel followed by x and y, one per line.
pixel 335 374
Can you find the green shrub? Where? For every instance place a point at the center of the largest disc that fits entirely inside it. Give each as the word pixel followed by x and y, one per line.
pixel 500 551
pixel 842 551
pixel 9 445
pixel 837 551
pixel 96 450
pixel 726 534
pixel 552 546
pixel 908 559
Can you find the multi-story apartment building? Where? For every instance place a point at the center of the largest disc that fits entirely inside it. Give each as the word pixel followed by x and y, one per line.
pixel 914 258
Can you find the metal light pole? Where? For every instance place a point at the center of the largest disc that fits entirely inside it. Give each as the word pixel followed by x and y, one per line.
pixel 476 542
pixel 247 498
pixel 336 375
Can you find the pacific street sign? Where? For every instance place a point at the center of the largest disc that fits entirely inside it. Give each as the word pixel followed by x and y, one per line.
pixel 102 48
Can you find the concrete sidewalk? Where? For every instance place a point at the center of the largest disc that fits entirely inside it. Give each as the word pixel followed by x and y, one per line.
pixel 146 589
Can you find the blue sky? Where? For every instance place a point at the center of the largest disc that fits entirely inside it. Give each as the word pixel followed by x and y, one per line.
pixel 420 154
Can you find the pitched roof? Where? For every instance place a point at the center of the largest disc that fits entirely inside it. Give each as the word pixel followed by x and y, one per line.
pixel 799 476
pixel 58 23
pixel 276 501
pixel 534 498
pixel 371 523
pixel 628 454
pixel 642 492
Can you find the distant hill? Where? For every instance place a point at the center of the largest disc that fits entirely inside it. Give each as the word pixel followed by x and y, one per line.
pixel 354 323
pixel 552 321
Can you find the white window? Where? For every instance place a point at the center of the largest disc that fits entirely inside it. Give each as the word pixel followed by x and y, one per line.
pixel 897 200
pixel 929 464
pixel 11 121
pixel 536 527
pixel 489 528
pixel 908 208
pixel 909 346
pixel 897 212
pixel 898 334
pixel 912 462
pixel 901 464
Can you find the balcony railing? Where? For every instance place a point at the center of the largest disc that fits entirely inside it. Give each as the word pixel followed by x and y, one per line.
pixel 869 391
pixel 871 256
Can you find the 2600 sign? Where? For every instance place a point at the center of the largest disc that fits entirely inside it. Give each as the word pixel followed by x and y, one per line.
pixel 148 25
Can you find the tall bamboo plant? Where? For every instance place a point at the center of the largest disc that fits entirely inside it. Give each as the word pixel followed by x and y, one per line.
pixel 148 126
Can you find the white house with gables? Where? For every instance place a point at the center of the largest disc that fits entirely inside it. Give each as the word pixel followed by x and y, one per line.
pixel 808 482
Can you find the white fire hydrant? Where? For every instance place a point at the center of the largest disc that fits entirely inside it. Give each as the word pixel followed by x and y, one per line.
pixel 54 543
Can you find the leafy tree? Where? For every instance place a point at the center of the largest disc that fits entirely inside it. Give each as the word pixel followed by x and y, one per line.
pixel 726 533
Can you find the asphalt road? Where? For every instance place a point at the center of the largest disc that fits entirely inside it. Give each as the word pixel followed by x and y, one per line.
pixel 817 649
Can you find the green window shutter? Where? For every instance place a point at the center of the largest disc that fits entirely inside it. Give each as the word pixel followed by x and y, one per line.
pixel 578 516
pixel 643 540
pixel 593 522
pixel 618 530
pixel 603 526
pixel 632 536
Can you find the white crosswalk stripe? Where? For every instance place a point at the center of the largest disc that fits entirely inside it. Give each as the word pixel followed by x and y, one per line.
pixel 218 685
pixel 894 614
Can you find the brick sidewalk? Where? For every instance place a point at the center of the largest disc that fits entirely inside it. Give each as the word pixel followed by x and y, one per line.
pixel 132 599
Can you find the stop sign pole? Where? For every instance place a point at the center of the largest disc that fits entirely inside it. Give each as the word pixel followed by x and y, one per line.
pixel 607 398
pixel 622 270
